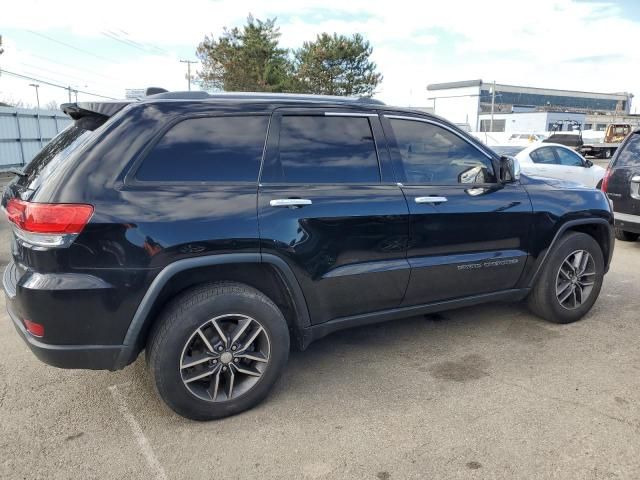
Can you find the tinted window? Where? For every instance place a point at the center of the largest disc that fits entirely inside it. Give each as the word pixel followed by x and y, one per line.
pixel 328 150
pixel 630 155
pixel 568 158
pixel 433 155
pixel 543 155
pixel 218 149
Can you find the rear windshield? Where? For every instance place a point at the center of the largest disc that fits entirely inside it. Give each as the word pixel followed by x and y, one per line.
pixel 58 150
pixel 629 156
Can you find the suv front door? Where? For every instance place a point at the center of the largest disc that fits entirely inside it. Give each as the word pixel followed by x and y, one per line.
pixel 328 205
pixel 468 232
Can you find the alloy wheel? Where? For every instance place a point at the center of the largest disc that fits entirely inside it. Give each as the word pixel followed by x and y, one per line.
pixel 575 279
pixel 225 357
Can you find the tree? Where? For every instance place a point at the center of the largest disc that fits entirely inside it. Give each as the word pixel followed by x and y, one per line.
pixel 52 105
pixel 336 65
pixel 246 59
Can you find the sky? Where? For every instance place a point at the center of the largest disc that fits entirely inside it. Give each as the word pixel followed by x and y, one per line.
pixel 104 48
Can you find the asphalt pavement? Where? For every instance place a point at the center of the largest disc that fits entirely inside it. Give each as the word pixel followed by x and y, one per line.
pixel 482 392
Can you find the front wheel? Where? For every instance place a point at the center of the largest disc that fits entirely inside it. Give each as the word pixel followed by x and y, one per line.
pixel 217 350
pixel 570 281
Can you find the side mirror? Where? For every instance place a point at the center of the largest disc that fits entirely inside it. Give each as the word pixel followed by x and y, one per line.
pixel 509 169
pixel 588 163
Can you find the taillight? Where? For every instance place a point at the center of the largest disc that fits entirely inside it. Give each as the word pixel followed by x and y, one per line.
pixel 605 180
pixel 48 224
pixel 35 329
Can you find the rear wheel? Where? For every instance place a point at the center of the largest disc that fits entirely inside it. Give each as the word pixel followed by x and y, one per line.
pixel 217 350
pixel 570 281
pixel 626 236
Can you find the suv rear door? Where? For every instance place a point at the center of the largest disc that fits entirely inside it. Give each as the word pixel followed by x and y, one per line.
pixel 328 206
pixel 468 232
pixel 624 183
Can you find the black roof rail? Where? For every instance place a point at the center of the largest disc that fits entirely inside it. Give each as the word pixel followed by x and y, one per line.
pixel 154 90
pixel 202 95
pixel 193 95
pixel 369 100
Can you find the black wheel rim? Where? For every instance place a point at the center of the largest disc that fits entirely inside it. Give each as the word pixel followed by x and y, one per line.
pixel 225 357
pixel 575 279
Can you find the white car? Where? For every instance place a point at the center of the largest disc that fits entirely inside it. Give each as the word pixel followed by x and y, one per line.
pixel 553 160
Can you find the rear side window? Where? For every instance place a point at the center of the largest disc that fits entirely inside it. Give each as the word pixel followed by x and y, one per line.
pixel 316 149
pixel 630 154
pixel 210 149
pixel 544 156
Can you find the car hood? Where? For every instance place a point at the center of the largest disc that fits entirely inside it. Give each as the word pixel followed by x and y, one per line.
pixel 552 182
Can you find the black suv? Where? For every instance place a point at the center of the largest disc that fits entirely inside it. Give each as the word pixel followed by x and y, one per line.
pixel 214 231
pixel 622 185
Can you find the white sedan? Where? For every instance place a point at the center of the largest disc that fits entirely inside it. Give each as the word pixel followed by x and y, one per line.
pixel 553 160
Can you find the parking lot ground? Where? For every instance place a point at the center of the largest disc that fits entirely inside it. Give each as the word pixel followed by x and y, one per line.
pixel 483 392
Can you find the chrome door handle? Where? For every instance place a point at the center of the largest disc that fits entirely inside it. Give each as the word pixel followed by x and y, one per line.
pixel 431 199
pixel 290 202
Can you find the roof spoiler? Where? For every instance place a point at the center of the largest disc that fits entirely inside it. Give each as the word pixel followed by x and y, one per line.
pixel 85 109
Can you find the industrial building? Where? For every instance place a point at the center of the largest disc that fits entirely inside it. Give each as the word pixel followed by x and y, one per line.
pixel 515 108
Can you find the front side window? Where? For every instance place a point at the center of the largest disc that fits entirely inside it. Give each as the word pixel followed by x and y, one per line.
pixel 433 155
pixel 568 158
pixel 208 149
pixel 544 156
pixel 319 149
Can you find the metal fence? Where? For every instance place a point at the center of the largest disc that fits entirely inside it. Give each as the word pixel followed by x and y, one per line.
pixel 23 132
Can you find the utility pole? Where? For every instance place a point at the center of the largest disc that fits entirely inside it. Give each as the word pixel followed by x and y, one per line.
pixel 188 62
pixel 69 89
pixel 493 102
pixel 36 86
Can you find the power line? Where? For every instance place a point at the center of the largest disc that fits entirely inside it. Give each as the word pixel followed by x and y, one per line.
pixel 124 41
pixel 87 52
pixel 161 50
pixel 27 77
pixel 56 62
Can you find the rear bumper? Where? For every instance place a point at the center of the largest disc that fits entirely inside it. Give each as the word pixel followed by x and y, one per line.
pixel 93 357
pixel 627 222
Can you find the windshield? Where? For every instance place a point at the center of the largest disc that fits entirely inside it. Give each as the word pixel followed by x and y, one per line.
pixel 509 150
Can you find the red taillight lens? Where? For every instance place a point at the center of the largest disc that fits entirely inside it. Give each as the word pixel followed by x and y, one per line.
pixel 35 329
pixel 48 218
pixel 605 180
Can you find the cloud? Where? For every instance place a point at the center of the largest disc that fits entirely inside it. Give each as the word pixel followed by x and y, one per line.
pixel 549 43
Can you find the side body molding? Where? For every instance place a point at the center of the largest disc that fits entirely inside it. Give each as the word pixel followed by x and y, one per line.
pixel 129 350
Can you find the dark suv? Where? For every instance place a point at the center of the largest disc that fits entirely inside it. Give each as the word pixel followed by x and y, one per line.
pixel 214 231
pixel 622 185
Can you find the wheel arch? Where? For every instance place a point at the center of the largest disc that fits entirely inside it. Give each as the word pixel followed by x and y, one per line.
pixel 267 273
pixel 599 228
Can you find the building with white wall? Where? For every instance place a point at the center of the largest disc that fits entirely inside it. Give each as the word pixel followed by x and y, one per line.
pixel 468 101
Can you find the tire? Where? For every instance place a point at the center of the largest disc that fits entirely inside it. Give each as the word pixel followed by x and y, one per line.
pixel 626 236
pixel 177 340
pixel 544 300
